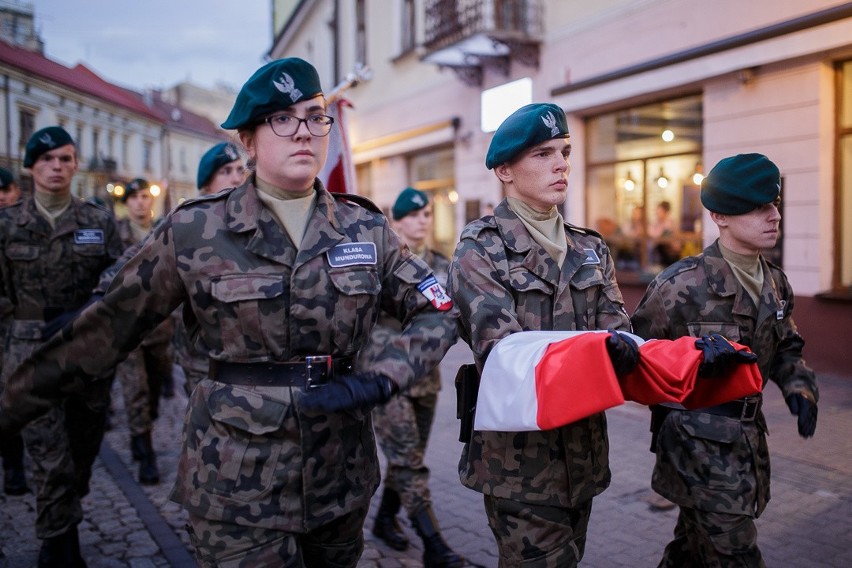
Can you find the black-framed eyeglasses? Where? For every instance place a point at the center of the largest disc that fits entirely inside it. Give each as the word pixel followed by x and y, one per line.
pixel 287 125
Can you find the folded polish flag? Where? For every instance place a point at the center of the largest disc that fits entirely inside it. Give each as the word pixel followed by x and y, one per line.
pixel 540 380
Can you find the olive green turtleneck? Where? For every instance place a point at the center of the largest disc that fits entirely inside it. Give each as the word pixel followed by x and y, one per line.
pixel 747 269
pixel 51 205
pixel 547 229
pixel 292 210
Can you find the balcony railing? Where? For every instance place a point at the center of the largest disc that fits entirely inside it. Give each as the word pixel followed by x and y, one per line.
pixel 468 35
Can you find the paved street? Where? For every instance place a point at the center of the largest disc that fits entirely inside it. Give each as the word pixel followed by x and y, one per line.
pixel 807 523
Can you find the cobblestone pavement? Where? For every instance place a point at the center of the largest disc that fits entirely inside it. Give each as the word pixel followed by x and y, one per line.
pixel 807 523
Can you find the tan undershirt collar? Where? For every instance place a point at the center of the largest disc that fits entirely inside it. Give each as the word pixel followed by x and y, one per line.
pixel 747 270
pixel 547 229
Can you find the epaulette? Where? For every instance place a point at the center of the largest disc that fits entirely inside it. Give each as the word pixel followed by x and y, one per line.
pixel 472 229
pixel 683 265
pixel 583 230
pixel 200 198
pixel 358 200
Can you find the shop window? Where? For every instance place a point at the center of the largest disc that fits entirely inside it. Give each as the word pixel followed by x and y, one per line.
pixel 842 278
pixel 433 172
pixel 644 174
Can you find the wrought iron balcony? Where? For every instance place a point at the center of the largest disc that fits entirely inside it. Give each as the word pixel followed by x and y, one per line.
pixel 469 35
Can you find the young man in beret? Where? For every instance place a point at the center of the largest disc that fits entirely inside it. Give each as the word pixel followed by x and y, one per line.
pixel 404 423
pixel 9 191
pixel 525 269
pixel 220 167
pixel 714 462
pixel 53 247
pixel 284 282
pixel 147 371
pixel 11 450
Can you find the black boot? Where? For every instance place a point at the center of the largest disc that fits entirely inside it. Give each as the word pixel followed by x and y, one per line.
pixel 14 477
pixel 61 551
pixel 386 528
pixel 436 553
pixel 148 472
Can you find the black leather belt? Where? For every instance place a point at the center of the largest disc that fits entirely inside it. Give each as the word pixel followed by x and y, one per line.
pixel 745 409
pixel 314 370
pixel 38 313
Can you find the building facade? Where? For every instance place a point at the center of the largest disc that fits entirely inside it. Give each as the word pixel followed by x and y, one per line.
pixel 656 92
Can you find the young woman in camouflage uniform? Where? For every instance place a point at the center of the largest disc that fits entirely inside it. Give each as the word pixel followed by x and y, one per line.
pixel 714 462
pixel 284 282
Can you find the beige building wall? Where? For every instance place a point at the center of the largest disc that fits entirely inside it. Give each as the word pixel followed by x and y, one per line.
pixel 769 94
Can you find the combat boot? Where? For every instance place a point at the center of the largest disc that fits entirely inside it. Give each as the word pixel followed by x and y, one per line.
pixel 386 527
pixel 436 552
pixel 140 444
pixel 61 551
pixel 14 477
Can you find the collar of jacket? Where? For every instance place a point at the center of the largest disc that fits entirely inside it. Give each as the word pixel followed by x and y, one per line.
pixel 517 239
pixel 30 217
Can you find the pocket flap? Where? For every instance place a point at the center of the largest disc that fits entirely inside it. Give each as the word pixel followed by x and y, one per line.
pixel 238 287
pixel 246 410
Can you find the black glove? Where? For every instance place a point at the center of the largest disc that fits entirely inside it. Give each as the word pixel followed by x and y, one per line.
pixel 720 356
pixel 361 390
pixel 623 352
pixel 807 411
pixel 54 326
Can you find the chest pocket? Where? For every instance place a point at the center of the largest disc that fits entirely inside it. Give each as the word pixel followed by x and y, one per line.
pixel 355 306
pixel 587 285
pixel 21 251
pixel 533 299
pixel 729 331
pixel 249 324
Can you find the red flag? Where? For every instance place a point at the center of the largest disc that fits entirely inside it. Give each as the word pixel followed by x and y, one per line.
pixel 338 173
pixel 539 380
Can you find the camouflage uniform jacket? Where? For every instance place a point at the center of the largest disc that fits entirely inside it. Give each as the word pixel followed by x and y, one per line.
pixel 163 332
pixel 503 282
pixel 53 270
pixel 697 296
pixel 388 326
pixel 251 455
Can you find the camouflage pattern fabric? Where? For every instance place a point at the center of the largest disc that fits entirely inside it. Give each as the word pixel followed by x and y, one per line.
pixel 713 540
pixel 558 539
pixel 58 268
pixel 226 545
pixel 251 455
pixel 194 363
pixel 503 282
pixel 710 463
pixel 403 424
pixel 141 374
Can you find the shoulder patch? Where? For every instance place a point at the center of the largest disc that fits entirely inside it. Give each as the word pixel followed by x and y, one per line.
pixel 358 200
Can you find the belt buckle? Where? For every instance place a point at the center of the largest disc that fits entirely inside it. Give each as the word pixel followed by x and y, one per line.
pixel 750 407
pixel 317 368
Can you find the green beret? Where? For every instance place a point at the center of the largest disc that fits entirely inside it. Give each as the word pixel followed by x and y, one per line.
pixel 213 159
pixel 6 177
pixel 43 141
pixel 276 86
pixel 741 183
pixel 527 126
pixel 409 200
pixel 134 186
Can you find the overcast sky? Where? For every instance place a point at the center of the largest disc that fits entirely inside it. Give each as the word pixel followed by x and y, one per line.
pixel 157 43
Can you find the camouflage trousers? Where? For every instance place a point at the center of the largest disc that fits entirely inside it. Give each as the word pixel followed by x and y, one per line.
pixel 712 540
pixel 402 428
pixel 537 536
pixel 62 444
pixel 338 544
pixel 133 379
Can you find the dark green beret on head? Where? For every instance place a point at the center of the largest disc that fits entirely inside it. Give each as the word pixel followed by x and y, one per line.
pixel 741 183
pixel 276 86
pixel 43 141
pixel 409 200
pixel 213 159
pixel 527 126
pixel 6 177
pixel 134 186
